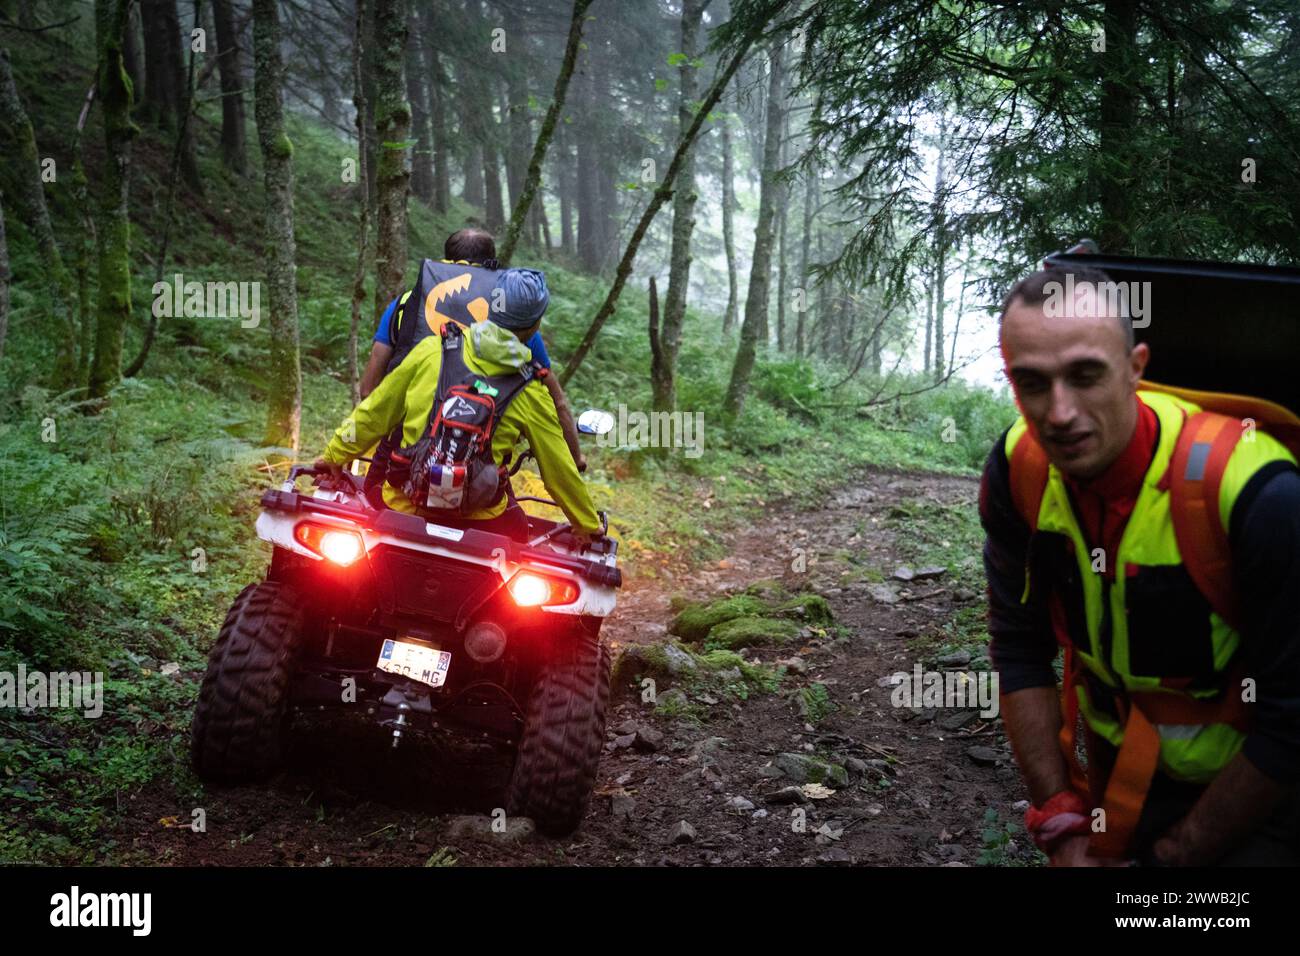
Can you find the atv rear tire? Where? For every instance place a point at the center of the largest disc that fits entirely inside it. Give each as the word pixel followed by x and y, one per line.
pixel 564 731
pixel 242 713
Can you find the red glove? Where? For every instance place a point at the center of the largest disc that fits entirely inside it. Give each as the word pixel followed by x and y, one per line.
pixel 1062 816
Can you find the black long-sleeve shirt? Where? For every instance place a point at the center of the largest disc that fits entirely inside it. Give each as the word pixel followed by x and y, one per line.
pixel 1264 537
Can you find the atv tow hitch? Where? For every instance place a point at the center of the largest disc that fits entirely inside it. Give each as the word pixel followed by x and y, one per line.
pixel 404 704
pixel 399 723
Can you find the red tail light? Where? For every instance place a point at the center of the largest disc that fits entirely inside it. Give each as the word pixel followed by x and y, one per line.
pixel 336 545
pixel 530 589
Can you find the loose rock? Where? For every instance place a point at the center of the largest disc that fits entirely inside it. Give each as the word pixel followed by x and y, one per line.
pixel 682 832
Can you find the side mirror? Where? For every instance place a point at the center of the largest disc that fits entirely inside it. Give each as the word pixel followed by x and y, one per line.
pixel 595 422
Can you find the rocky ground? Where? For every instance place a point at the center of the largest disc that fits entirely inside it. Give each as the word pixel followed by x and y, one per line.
pixel 792 754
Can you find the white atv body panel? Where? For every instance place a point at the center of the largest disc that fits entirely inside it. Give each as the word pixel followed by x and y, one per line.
pixel 594 600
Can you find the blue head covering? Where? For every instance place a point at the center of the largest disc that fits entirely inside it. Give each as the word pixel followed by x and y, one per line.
pixel 519 299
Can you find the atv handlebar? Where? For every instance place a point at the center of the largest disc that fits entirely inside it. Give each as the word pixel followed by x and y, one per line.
pixel 354 485
pixel 348 482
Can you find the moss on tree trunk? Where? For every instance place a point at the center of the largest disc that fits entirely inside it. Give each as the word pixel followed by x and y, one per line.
pixel 113 90
pixel 285 400
pixel 663 374
pixel 393 126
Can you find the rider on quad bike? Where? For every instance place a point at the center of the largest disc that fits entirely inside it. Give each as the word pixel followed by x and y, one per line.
pixel 445 605
pixel 494 347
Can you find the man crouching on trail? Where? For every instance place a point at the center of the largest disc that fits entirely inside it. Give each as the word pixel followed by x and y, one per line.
pixel 1192 723
pixel 492 348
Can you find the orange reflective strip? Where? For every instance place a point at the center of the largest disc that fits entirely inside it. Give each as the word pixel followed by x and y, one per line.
pixel 1195 476
pixel 1028 477
pixel 1126 791
pixel 1179 709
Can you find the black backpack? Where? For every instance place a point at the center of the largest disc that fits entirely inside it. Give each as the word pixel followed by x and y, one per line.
pixel 443 290
pixel 450 468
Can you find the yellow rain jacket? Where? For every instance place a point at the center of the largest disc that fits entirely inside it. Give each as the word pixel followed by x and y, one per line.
pixel 406 394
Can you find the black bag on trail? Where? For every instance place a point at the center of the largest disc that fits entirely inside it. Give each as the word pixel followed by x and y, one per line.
pixel 450 468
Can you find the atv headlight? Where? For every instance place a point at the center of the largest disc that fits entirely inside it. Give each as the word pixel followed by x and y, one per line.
pixel 334 544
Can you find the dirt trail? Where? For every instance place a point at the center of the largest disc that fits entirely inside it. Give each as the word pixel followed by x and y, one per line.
pixel 920 784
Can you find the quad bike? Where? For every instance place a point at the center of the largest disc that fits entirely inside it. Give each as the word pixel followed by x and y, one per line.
pixel 419 626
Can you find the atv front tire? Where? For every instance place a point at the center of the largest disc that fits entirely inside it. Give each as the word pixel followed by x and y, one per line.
pixel 564 731
pixel 242 713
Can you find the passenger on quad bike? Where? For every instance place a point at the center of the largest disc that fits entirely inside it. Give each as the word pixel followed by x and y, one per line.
pixel 493 347
pixel 450 610
pixel 473 247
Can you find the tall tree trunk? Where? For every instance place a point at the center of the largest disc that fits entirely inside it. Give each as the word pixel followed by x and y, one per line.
pixel 607 218
pixel 819 342
pixel 657 364
pixel 661 195
pixel 234 148
pixel 370 50
pixel 88 241
pixel 728 223
pixel 187 332
pixel 590 232
pixel 494 206
pixel 940 251
pixel 782 209
pixel 473 191
pixel 961 310
pixel 805 241
pixel 392 127
pixel 663 378
pixel 417 91
pixel 564 178
pixel 438 118
pixel 546 225
pixel 19 142
pixel 528 188
pixel 875 349
pixel 4 280
pixel 132 55
pixel 515 119
pixel 113 90
pixel 175 65
pixel 782 274
pixel 1111 179
pixel 929 320
pixel 285 405
pixel 161 85
pixel 363 185
pixel 189 158
pixel 760 272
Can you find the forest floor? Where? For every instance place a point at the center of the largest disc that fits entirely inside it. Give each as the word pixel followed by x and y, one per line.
pixel 932 786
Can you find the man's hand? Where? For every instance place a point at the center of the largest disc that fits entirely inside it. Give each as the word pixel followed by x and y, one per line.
pixel 333 468
pixel 1175 847
pixel 580 460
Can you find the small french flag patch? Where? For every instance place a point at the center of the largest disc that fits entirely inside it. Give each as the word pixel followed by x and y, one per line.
pixel 446 485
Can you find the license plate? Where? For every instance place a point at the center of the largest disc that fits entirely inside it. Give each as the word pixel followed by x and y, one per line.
pixel 428 665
